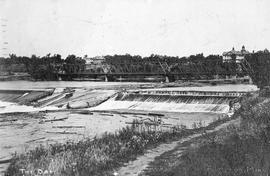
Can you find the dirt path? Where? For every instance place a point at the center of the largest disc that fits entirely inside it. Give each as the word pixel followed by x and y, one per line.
pixel 137 166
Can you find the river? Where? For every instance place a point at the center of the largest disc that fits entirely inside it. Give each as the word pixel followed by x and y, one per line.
pixel 19 85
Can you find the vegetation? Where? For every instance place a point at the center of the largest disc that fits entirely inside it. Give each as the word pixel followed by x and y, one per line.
pixel 256 65
pixel 259 64
pixel 192 66
pixel 98 156
pixel 240 150
pixel 48 67
pixel 40 68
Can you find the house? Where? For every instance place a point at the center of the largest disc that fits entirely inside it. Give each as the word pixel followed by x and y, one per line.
pixel 95 60
pixel 239 55
pixel 95 64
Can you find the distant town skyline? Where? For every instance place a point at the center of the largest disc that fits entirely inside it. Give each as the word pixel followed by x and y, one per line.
pixel 137 27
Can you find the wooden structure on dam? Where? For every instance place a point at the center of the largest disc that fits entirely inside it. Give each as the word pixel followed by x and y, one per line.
pixel 229 94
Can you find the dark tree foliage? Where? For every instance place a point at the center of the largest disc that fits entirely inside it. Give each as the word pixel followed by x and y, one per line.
pixel 74 64
pixel 259 68
pixel 45 68
pixel 50 66
pixel 192 65
pixel 40 68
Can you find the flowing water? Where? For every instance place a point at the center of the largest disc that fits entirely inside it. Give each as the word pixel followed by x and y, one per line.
pixel 16 95
pixel 168 103
pixel 19 85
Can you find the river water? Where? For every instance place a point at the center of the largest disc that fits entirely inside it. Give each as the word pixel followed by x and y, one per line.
pixel 20 85
pixel 7 107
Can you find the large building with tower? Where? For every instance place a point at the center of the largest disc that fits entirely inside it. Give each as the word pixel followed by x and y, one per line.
pixel 239 55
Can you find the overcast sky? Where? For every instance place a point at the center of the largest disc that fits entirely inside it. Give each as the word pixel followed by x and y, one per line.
pixel 143 27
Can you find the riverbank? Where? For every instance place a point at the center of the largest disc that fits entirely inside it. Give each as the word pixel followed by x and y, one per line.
pixel 24 97
pixel 5 76
pixel 240 149
pixel 98 156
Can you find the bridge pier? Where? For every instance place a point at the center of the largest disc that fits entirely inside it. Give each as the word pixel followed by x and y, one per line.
pixel 169 78
pixel 108 78
pixel 250 80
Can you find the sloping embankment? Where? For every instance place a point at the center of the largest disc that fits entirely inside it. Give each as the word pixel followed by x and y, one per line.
pixel 76 98
pixel 35 100
pixel 24 96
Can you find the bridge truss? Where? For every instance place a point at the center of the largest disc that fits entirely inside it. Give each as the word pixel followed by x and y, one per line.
pixel 147 67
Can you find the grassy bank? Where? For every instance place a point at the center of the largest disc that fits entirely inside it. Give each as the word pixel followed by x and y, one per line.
pixel 240 150
pixel 98 156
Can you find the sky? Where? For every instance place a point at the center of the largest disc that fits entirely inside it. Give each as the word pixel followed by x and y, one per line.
pixel 138 27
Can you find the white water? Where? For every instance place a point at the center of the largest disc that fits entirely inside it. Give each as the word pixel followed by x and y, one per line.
pixel 111 104
pixel 162 106
pixel 6 107
pixel 178 105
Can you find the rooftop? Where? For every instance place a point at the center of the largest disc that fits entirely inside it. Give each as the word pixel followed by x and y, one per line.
pixel 234 52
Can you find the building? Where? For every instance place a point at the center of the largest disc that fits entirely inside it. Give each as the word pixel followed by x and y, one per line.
pixel 98 60
pixel 239 55
pixel 95 64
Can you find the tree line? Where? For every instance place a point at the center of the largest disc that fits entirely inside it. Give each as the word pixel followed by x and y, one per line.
pixel 256 65
pixel 40 68
pixel 259 68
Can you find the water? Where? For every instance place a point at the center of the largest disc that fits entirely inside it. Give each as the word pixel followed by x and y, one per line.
pixel 26 132
pixel 6 107
pixel 167 103
pixel 5 99
pixel 163 106
pixel 130 101
pixel 173 98
pixel 21 85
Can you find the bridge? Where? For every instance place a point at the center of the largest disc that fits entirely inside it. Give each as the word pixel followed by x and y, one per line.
pixel 110 71
pixel 169 77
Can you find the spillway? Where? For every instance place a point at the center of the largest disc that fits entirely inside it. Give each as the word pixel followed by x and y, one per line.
pixel 172 101
pixel 23 96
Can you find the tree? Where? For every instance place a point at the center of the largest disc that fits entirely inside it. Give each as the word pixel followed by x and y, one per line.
pixel 74 64
pixel 259 68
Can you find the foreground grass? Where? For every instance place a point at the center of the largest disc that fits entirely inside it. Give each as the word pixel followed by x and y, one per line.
pixel 98 156
pixel 242 150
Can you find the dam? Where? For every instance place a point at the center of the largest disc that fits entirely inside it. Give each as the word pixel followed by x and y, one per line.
pixel 173 101
pixel 24 96
pixel 213 99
